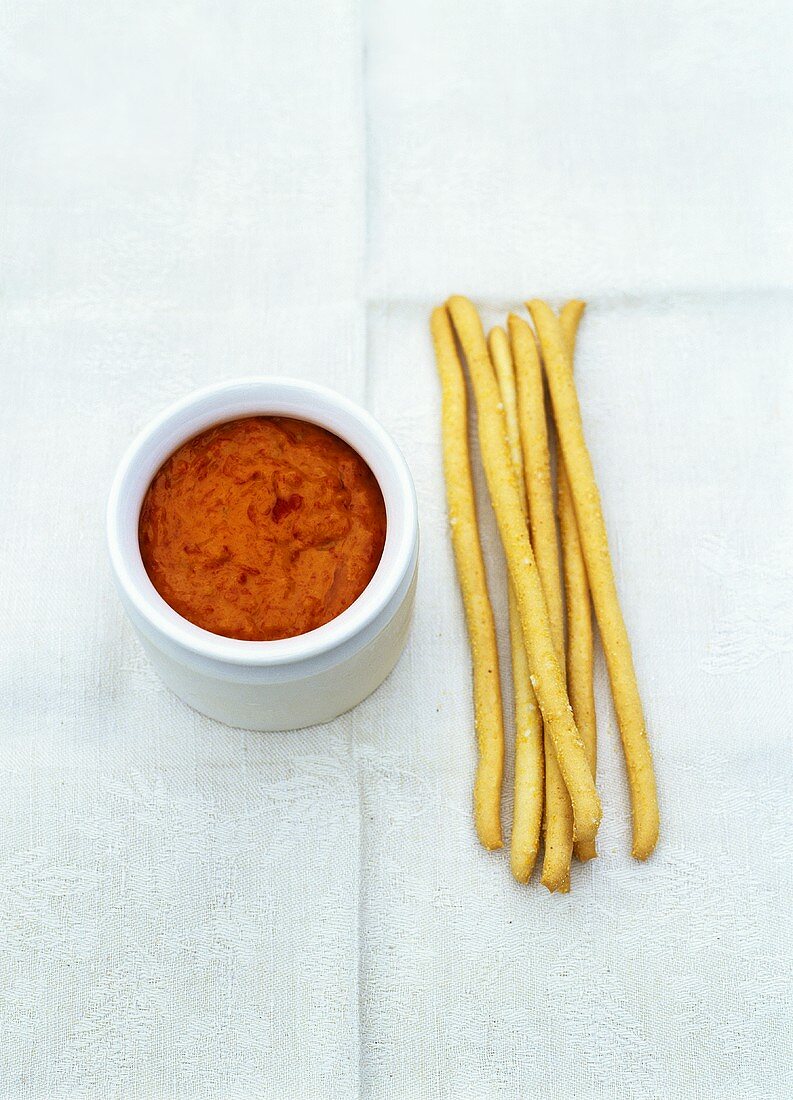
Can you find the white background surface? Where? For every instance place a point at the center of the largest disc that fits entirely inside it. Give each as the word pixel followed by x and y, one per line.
pixel 192 191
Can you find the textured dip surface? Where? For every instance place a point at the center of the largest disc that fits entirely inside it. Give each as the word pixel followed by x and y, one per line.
pixel 262 528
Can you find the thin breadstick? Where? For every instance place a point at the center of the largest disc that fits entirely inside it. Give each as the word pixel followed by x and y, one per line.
pixel 501 357
pixel 473 584
pixel 529 753
pixel 542 525
pixel 592 533
pixel 580 686
pixel 546 676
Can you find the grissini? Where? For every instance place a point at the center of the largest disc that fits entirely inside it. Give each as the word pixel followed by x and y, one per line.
pixel 594 542
pixel 580 673
pixel 529 752
pixel 542 526
pixel 546 675
pixel 473 584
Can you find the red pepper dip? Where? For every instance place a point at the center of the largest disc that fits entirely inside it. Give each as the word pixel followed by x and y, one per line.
pixel 262 528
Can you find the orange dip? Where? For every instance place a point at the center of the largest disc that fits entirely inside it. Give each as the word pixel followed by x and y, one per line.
pixel 262 528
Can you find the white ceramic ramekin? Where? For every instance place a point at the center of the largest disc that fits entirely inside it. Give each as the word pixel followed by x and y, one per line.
pixel 291 682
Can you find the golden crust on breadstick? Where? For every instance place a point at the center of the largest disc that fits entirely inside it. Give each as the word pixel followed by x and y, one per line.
pixel 547 679
pixel 542 525
pixel 594 542
pixel 529 752
pixel 580 683
pixel 473 584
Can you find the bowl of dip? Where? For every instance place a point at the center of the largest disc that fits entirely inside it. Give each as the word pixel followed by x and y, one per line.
pixel 263 537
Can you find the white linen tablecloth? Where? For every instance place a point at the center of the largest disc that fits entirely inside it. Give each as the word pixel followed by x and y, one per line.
pixel 195 191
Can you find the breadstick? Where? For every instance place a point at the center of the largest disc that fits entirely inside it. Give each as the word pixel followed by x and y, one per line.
pixel 473 584
pixel 580 686
pixel 592 533
pixel 529 761
pixel 542 524
pixel 546 676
